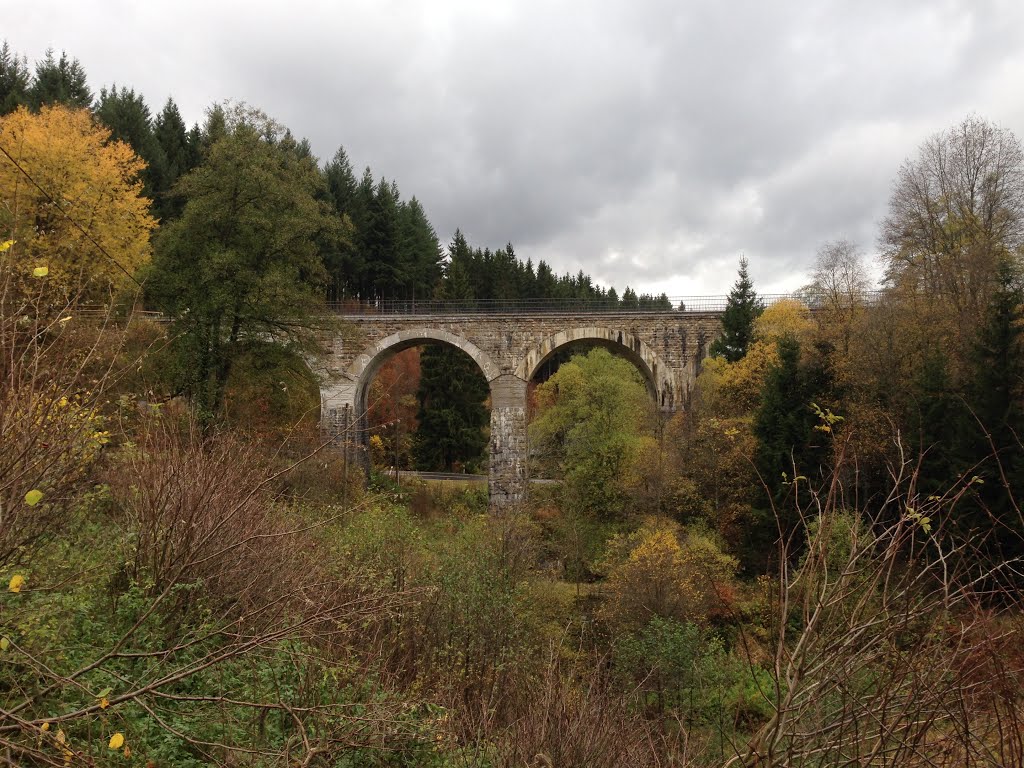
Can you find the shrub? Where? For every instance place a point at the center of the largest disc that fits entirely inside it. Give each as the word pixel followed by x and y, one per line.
pixel 655 572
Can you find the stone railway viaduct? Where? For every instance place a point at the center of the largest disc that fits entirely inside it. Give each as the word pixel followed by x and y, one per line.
pixel 666 346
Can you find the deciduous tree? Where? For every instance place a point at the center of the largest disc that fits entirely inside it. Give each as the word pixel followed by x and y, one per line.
pixel 242 263
pixel 595 423
pixel 955 209
pixel 82 214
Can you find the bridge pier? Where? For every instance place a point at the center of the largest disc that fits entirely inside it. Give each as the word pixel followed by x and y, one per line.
pixel 508 450
pixel 345 426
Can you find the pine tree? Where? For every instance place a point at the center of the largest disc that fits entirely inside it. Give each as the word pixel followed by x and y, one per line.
pixel 741 310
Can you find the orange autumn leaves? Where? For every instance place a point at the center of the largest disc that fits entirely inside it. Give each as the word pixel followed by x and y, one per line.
pixel 92 182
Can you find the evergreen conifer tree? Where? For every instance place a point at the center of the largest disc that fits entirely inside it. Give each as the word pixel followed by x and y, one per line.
pixel 15 80
pixel 998 395
pixel 60 81
pixel 179 153
pixel 545 281
pixel 126 115
pixel 741 310
pixel 940 423
pixel 341 181
pixel 378 240
pixel 420 251
pixel 788 445
pixel 997 400
pixel 452 416
pixel 344 263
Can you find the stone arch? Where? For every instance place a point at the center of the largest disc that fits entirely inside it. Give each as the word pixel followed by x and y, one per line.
pixel 369 361
pixel 343 408
pixel 660 380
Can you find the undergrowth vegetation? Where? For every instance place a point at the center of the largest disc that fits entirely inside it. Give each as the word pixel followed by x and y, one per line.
pixel 818 564
pixel 180 595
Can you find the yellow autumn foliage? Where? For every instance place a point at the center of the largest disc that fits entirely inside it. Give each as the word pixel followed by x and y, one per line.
pixel 94 180
pixel 732 389
pixel 378 451
pixel 786 317
pixel 660 570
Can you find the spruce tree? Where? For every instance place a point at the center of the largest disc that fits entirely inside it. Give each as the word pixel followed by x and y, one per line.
pixel 126 115
pixel 60 81
pixel 996 396
pixel 741 310
pixel 419 251
pixel 998 387
pixel 178 158
pixel 788 445
pixel 940 423
pixel 457 286
pixel 341 181
pixel 343 262
pixel 545 281
pixel 452 415
pixel 15 80
pixel 378 240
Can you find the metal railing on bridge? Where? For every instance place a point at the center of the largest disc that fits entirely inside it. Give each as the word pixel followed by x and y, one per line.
pixel 658 305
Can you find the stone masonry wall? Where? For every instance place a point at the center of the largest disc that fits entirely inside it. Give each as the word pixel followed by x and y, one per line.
pixel 666 346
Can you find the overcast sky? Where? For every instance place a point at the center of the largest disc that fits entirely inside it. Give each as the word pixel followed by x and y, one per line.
pixel 648 143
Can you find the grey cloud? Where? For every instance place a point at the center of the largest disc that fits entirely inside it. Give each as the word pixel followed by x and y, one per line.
pixel 648 142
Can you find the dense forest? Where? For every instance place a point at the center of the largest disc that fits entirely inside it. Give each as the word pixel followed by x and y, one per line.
pixel 818 563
